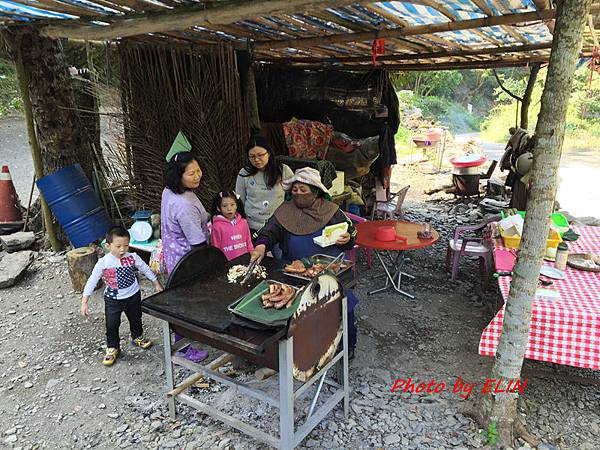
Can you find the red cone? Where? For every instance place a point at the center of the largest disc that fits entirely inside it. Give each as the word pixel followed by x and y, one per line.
pixel 9 210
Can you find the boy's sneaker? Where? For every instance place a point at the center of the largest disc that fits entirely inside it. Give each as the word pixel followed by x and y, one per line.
pixel 111 356
pixel 142 342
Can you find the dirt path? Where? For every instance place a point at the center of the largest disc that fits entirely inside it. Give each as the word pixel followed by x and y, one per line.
pixel 578 174
pixel 14 152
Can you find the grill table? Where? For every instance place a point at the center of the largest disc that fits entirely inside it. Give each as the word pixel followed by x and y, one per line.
pixel 565 330
pixel 195 306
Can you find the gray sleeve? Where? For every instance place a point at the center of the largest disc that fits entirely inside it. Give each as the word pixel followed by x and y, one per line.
pixel 240 187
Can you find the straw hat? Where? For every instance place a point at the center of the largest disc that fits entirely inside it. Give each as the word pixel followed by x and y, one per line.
pixel 306 175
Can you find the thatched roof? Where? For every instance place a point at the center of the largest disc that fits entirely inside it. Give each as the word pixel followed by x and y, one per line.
pixel 418 34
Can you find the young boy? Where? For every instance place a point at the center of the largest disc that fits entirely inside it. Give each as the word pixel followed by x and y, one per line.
pixel 121 292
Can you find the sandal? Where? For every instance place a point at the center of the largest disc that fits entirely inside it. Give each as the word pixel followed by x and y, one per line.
pixel 111 356
pixel 142 342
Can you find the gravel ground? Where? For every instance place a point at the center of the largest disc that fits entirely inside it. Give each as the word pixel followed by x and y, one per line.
pixel 56 394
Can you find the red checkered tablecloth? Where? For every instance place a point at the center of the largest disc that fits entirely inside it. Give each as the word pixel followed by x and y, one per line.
pixel 564 330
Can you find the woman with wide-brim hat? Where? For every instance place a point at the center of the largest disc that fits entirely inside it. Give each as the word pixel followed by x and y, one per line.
pixel 303 216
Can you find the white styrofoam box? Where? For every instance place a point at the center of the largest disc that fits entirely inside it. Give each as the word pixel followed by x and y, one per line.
pixel 337 186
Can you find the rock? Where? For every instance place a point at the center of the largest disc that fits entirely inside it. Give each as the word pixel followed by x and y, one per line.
pixel 122 428
pixel 56 259
pixel 52 383
pixel 113 415
pixel 391 439
pixel 18 241
pixel 170 444
pixel 12 438
pixel 101 406
pixel 27 385
pixel 10 431
pixel 12 266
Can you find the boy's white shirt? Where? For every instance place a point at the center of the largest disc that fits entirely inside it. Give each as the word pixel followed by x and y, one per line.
pixel 109 261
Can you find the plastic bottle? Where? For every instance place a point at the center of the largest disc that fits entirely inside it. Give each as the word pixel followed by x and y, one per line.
pixel 562 253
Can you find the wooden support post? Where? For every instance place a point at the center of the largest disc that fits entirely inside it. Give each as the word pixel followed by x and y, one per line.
pixel 247 80
pixel 189 381
pixel 252 101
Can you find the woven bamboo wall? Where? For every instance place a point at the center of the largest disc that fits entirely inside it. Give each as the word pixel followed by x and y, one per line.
pixel 165 90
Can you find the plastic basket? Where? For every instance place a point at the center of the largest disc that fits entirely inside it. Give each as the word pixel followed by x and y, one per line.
pixel 559 221
pixel 515 241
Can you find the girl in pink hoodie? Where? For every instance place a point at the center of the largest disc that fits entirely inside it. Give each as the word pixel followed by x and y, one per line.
pixel 230 231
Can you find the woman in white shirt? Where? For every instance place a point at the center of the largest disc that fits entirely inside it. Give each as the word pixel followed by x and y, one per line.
pixel 259 183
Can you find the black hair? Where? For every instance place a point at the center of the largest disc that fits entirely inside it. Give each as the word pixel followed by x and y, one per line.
pixel 273 170
pixel 175 169
pixel 116 231
pixel 216 205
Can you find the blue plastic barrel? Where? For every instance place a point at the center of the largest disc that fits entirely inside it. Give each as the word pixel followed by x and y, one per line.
pixel 74 203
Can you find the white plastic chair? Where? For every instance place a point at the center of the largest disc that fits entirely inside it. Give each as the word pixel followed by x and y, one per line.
pixel 392 208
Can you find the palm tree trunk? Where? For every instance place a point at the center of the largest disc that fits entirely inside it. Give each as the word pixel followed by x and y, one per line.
pixel 57 122
pixel 549 134
pixel 55 128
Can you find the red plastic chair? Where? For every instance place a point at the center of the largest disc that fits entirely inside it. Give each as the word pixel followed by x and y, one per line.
pixel 353 253
pixel 469 240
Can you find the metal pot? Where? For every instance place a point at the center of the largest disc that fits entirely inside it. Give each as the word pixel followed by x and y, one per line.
pixel 474 170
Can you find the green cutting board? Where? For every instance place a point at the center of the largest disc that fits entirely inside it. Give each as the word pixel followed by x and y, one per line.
pixel 250 307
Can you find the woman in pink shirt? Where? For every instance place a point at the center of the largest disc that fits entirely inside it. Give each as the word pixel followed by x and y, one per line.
pixel 230 231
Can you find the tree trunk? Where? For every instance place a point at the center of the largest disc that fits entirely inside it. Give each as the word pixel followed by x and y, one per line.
pixel 81 262
pixel 57 122
pixel 535 69
pixel 46 86
pixel 502 408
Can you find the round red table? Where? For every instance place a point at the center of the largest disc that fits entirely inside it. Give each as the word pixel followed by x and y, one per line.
pixel 385 250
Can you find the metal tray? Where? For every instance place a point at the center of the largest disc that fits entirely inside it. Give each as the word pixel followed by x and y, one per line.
pixel 573 261
pixel 323 259
pixel 270 323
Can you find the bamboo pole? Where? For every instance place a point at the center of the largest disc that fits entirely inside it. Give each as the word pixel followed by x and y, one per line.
pixel 417 56
pixel 23 79
pixel 469 24
pixel 452 65
pixel 184 17
pixel 29 204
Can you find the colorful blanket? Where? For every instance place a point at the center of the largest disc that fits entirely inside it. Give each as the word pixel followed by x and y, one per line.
pixel 307 139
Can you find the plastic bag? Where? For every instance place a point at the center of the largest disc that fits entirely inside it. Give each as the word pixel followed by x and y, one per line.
pixel 157 259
